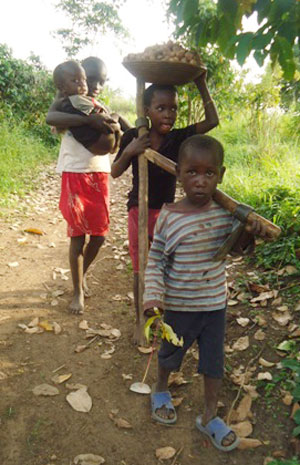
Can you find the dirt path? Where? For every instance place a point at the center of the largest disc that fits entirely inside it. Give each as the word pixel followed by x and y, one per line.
pixel 37 430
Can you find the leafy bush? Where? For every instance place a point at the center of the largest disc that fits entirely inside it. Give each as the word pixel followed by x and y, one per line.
pixel 26 92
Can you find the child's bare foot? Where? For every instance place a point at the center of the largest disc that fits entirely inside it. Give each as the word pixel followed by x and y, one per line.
pixel 77 305
pixel 86 290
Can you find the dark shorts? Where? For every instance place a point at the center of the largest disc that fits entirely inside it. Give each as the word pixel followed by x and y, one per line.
pixel 208 328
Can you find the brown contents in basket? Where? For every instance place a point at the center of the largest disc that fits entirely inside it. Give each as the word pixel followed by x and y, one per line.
pixel 169 52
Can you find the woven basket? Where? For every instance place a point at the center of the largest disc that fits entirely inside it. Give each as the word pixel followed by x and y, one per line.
pixel 164 72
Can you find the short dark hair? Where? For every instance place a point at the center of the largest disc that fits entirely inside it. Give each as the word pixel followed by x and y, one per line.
pixel 199 141
pixel 149 92
pixel 93 64
pixel 58 73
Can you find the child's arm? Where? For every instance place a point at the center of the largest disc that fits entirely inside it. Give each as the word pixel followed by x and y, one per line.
pixel 246 242
pixel 211 115
pixel 102 121
pixel 127 151
pixel 155 270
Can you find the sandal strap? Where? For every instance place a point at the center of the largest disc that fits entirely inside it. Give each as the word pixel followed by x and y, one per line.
pixel 160 399
pixel 218 428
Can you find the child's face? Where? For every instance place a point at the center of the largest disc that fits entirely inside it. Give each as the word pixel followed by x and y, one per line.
pixel 199 173
pixel 95 80
pixel 162 111
pixel 75 82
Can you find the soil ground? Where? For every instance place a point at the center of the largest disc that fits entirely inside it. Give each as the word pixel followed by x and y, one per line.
pixel 37 430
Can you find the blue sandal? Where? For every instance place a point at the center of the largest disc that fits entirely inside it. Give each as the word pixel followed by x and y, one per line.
pixel 159 400
pixel 217 430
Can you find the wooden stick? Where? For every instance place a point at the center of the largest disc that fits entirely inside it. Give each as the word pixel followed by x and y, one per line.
pixel 143 207
pixel 220 197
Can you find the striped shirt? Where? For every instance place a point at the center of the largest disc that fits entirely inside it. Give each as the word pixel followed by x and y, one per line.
pixel 180 274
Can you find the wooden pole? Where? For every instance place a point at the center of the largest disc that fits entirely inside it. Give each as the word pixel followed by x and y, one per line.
pixel 143 209
pixel 220 197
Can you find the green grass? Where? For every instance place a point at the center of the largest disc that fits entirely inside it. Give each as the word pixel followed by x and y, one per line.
pixel 22 157
pixel 263 170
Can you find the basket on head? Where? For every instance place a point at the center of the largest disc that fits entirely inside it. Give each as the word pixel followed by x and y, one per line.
pixel 167 64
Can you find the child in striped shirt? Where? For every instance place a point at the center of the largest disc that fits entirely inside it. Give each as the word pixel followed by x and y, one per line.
pixel 188 286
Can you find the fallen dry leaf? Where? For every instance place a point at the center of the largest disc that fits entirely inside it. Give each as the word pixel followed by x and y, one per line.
pixel 259 335
pixel 45 390
pixel 265 296
pixel 83 324
pixel 249 443
pixel 176 401
pixel 287 399
pixel 268 460
pixel 75 386
pixel 34 231
pixel 244 408
pixel 122 423
pixel 81 348
pixel 242 321
pixel 13 264
pixel 80 400
pixel 165 453
pixel 265 363
pixel 57 328
pixel 2 376
pixel 241 344
pixel 144 350
pixel 126 377
pixel 59 379
pixel 35 330
pixel 282 308
pixel 254 287
pixel 33 322
pixel 242 429
pixel 282 318
pixel 251 390
pixel 232 303
pixel 296 406
pixel 264 376
pixel 279 454
pixel 88 459
pixel 261 321
pixel 46 325
pixel 177 379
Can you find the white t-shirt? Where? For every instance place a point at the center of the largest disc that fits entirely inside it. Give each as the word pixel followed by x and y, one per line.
pixel 75 158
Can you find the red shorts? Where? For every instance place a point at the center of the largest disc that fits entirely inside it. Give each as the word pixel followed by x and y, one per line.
pixel 84 203
pixel 133 233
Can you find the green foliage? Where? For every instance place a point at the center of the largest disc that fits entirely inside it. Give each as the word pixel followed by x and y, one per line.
pixel 294 366
pixel 263 166
pixel 22 157
pixel 219 22
pixel 26 91
pixel 88 19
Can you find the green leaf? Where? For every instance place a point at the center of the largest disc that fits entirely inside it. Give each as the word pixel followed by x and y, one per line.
pixel 296 417
pixel 285 57
pixel 296 431
pixel 260 56
pixel 286 346
pixel 292 364
pixel 261 40
pixel 244 46
pixel 190 10
pixel 296 393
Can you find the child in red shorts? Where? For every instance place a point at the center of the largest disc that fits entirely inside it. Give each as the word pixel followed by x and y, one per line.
pixel 84 200
pixel 161 108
